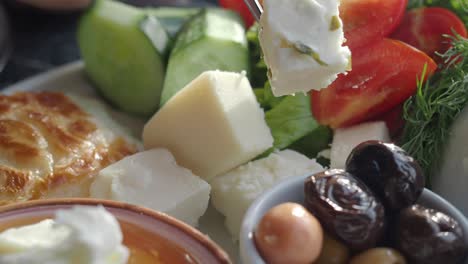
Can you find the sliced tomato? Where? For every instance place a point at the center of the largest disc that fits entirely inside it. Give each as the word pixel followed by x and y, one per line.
pixel 424 28
pixel 240 7
pixel 383 76
pixel 367 21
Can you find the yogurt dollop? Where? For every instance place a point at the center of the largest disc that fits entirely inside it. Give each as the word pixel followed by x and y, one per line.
pixel 82 234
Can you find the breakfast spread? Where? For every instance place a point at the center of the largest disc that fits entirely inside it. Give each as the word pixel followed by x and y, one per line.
pixel 77 235
pixel 370 204
pixel 229 114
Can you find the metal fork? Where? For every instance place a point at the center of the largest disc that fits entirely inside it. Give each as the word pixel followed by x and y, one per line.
pixel 255 8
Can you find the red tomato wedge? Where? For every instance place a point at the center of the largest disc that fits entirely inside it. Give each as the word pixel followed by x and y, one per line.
pixel 423 28
pixel 240 7
pixel 383 76
pixel 367 21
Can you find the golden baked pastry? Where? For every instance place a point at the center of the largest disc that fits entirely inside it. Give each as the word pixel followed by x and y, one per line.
pixel 51 147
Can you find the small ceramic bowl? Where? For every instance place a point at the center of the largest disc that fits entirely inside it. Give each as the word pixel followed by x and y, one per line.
pixel 292 190
pixel 138 222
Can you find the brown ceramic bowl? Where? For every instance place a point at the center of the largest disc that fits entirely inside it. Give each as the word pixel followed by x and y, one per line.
pixel 150 235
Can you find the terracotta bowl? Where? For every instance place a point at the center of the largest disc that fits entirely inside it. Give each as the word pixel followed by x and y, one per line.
pixel 140 223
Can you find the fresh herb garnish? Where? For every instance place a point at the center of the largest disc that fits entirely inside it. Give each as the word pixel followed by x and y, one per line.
pixel 306 50
pixel 335 23
pixel 431 112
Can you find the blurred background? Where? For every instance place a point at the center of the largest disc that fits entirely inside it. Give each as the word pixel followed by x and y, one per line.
pixel 33 40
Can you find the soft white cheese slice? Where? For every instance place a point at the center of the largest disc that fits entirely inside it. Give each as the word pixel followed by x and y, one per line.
pixel 234 192
pixel 302 44
pixel 212 125
pixel 153 179
pixel 346 139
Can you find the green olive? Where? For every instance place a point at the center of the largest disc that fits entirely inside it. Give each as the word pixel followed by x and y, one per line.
pixel 288 233
pixel 333 252
pixel 379 255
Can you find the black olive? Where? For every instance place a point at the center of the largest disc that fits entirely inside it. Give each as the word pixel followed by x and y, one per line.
pixel 394 176
pixel 429 236
pixel 346 208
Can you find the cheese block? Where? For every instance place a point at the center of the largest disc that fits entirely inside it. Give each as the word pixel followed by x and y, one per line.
pixel 153 179
pixel 212 125
pixel 346 139
pixel 302 42
pixel 233 192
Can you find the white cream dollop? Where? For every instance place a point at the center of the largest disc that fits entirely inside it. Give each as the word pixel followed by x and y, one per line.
pixel 302 44
pixel 82 234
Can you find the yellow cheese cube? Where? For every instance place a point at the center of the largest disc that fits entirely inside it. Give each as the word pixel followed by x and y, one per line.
pixel 212 125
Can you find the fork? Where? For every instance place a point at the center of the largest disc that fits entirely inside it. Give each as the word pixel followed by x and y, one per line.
pixel 255 8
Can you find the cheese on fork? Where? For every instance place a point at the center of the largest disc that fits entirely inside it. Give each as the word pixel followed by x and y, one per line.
pixel 153 179
pixel 233 192
pixel 302 44
pixel 212 125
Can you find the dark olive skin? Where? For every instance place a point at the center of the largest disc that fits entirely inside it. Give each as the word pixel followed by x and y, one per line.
pixel 430 237
pixel 394 176
pixel 346 208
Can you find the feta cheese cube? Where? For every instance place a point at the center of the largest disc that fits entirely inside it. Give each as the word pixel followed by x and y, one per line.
pixel 154 180
pixel 346 139
pixel 234 192
pixel 212 125
pixel 302 44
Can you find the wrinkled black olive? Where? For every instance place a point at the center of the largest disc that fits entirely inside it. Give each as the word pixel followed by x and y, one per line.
pixel 394 176
pixel 346 208
pixel 430 237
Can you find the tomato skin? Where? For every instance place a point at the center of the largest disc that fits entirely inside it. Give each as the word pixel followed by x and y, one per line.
pixel 423 28
pixel 368 21
pixel 240 7
pixel 383 76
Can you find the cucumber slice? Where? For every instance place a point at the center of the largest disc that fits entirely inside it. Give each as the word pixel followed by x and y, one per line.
pixel 173 18
pixel 214 39
pixel 123 49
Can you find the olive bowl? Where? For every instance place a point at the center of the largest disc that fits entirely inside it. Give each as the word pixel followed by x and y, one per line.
pixel 292 190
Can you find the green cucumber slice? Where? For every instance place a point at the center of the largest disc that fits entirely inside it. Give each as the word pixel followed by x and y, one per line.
pixel 173 18
pixel 214 39
pixel 123 49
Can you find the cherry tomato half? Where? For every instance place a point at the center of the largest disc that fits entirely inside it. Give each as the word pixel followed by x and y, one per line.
pixel 367 21
pixel 424 28
pixel 383 76
pixel 240 7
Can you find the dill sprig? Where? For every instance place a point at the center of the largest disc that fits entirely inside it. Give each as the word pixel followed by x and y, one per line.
pixel 430 113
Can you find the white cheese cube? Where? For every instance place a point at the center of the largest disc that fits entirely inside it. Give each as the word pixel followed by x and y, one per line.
pixel 233 192
pixel 302 44
pixel 346 139
pixel 212 125
pixel 154 180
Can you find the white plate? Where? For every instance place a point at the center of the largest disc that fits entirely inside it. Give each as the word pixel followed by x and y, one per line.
pixel 71 78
